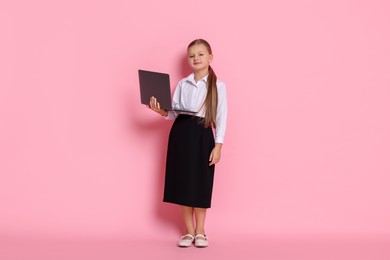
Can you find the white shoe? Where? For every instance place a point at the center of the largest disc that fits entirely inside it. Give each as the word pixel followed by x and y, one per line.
pixel 185 242
pixel 204 242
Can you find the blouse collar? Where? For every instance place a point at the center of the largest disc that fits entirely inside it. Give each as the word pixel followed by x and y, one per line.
pixel 191 78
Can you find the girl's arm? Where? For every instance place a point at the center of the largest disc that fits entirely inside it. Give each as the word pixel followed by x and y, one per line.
pixel 221 118
pixel 220 128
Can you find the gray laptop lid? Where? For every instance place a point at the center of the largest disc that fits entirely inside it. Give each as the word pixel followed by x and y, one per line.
pixel 156 84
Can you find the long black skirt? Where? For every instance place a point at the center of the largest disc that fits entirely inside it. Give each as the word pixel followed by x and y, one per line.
pixel 188 177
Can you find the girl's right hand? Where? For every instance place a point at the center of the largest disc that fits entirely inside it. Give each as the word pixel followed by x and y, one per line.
pixel 155 106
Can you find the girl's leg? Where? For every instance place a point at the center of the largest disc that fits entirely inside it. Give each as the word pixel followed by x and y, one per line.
pixel 200 216
pixel 189 219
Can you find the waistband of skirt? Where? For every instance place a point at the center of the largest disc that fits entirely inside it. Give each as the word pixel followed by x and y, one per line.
pixel 188 116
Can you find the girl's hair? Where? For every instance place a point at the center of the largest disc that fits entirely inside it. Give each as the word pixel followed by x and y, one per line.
pixel 210 103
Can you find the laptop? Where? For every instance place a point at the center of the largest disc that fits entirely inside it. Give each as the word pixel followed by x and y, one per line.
pixel 158 85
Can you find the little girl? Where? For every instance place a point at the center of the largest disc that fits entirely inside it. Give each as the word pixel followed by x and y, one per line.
pixel 192 149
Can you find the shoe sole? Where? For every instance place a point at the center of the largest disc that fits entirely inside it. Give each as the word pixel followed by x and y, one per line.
pixel 185 245
pixel 200 246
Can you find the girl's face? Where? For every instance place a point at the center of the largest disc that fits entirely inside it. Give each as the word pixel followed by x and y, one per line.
pixel 199 57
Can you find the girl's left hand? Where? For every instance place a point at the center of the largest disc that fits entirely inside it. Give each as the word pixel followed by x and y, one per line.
pixel 215 155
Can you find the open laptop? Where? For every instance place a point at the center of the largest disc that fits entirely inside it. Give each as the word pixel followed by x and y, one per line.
pixel 158 85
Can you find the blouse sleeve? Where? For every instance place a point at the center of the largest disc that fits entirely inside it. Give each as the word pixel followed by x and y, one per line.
pixel 221 119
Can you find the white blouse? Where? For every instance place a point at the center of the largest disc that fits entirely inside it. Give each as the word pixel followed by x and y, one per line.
pixel 190 95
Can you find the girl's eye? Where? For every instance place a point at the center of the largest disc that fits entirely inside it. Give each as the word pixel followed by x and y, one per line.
pixel 191 56
pixel 201 54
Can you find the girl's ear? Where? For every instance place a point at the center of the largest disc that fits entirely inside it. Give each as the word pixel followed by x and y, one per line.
pixel 211 58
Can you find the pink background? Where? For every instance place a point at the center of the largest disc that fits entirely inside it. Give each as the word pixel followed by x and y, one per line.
pixel 307 148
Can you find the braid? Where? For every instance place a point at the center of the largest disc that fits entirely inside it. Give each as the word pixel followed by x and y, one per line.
pixel 211 100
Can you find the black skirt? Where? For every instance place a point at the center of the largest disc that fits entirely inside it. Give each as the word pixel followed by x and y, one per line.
pixel 188 177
